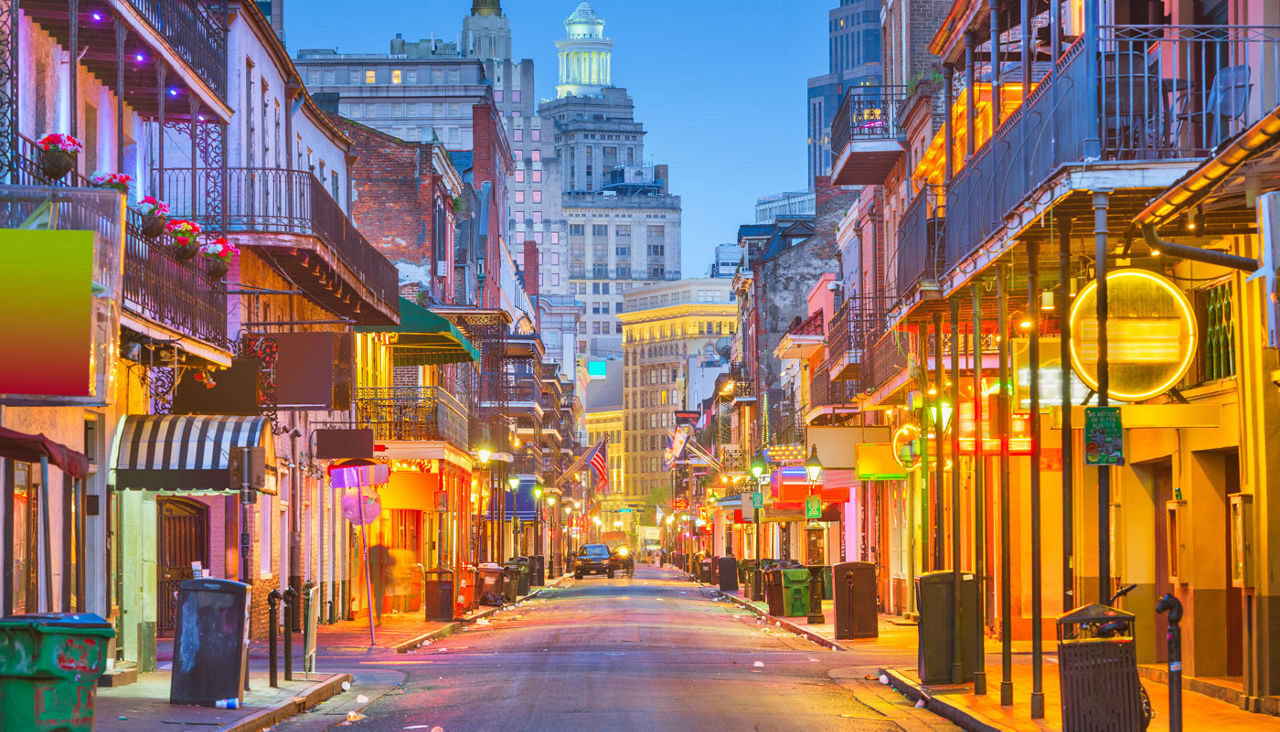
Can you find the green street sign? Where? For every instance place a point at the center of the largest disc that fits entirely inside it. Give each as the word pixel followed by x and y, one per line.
pixel 813 507
pixel 757 500
pixel 1103 436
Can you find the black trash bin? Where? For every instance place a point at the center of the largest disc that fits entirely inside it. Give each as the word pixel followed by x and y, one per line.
pixel 491 584
pixel 539 570
pixel 511 582
pixel 745 569
pixel 854 595
pixel 773 590
pixel 704 569
pixel 210 642
pixel 715 569
pixel 526 573
pixel 437 594
pixel 728 573
pixel 936 630
pixel 1098 670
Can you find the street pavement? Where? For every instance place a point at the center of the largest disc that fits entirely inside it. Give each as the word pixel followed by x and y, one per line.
pixel 652 653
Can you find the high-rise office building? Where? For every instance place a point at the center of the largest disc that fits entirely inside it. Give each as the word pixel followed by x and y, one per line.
pixel 853 30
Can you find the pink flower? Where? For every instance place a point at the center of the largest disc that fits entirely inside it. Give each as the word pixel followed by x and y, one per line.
pixel 219 248
pixel 153 206
pixel 59 141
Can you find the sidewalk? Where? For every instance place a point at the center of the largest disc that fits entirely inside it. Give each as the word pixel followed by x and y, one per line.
pixel 145 704
pixel 898 637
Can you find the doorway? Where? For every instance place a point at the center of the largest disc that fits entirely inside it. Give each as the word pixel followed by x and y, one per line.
pixel 182 537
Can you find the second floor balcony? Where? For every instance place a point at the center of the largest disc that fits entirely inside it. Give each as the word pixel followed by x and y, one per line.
pixel 290 218
pixel 414 414
pixel 920 259
pixel 847 334
pixel 866 135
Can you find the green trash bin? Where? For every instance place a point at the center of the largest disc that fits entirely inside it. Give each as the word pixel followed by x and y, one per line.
pixel 827 585
pixel 795 593
pixel 49 669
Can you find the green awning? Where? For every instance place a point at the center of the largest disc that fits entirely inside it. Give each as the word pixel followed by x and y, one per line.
pixel 424 338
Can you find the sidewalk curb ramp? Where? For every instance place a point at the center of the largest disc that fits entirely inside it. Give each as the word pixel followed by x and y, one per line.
pixel 310 697
pixel 454 627
pixel 961 717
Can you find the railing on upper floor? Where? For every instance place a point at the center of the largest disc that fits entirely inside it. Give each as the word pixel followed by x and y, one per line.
pixel 867 113
pixel 883 359
pixel 196 30
pixel 920 238
pixel 174 293
pixel 412 413
pixel 281 201
pixel 1163 93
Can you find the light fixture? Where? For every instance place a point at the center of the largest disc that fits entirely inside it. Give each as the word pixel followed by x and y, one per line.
pixel 537 492
pixel 617 524
pixel 813 466
pixel 139 57
pixel 757 466
pixel 97 17
pixel 484 452
pixel 551 500
pixel 670 519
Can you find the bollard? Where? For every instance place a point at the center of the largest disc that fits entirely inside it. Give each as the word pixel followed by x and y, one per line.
pixel 290 607
pixel 757 584
pixel 815 599
pixel 273 621
pixel 1170 604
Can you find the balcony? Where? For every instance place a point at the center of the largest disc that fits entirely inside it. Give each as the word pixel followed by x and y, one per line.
pixel 1165 95
pixel 180 296
pixel 288 217
pixel 827 397
pixel 414 414
pixel 847 336
pixel 884 360
pixel 920 256
pixel 866 135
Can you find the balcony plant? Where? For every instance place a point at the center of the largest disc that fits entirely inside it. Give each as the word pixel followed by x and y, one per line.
pixel 219 252
pixel 186 235
pixel 59 156
pixel 155 214
pixel 118 181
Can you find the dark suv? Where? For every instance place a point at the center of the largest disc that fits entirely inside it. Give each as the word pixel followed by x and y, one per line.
pixel 592 559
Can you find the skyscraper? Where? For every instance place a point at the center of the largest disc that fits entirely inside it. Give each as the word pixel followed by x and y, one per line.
pixel 853 30
pixel 618 226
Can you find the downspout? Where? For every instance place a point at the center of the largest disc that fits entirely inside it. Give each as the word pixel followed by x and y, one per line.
pixel 1196 254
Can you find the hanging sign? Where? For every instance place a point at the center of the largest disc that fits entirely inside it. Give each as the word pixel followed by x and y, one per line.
pixel 1103 436
pixel 1151 335
pixel 813 507
pixel 680 504
pixel 361 506
pixel 757 500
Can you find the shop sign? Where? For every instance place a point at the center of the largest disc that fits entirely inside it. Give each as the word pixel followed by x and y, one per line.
pixel 1151 335
pixel 680 504
pixel 813 507
pixel 757 500
pixel 1103 436
pixel 361 506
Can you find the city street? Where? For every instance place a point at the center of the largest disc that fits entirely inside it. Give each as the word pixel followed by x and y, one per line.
pixel 653 653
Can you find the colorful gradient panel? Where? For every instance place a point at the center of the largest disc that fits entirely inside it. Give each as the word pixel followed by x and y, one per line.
pixel 45 312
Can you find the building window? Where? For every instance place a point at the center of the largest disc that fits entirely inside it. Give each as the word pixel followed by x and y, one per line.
pixel 537 196
pixel 537 217
pixel 518 135
pixel 396 76
pixel 519 175
pixel 515 96
pixel 600 230
pixel 555 257
pixel 411 77
pixel 618 325
pixel 355 76
pixel 537 156
pixel 536 134
pixel 497 95
pixel 555 280
pixel 575 230
pixel 555 237
pixel 537 176
pixel 519 199
pixel 370 76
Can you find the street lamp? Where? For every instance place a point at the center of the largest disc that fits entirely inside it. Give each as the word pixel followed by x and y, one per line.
pixel 813 466
pixel 514 482
pixel 757 466
pixel 757 579
pixel 484 452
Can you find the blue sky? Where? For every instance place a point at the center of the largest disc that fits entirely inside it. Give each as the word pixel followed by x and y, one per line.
pixel 718 84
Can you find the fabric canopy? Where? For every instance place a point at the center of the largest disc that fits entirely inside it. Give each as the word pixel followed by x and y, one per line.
pixel 424 338
pixel 185 452
pixel 27 448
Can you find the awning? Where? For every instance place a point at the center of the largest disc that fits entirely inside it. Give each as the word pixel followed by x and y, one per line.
pixel 424 338
pixel 27 448
pixel 184 452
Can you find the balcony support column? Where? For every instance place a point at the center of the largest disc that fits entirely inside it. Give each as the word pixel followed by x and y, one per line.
pixel 1101 201
pixel 73 65
pixel 1068 438
pixel 1092 111
pixel 1055 37
pixel 1006 602
pixel 970 101
pixel 162 70
pixel 1027 51
pixel 949 132
pixel 1033 314
pixel 122 35
pixel 957 640
pixel 979 492
pixel 995 65
pixel 193 108
pixel 939 458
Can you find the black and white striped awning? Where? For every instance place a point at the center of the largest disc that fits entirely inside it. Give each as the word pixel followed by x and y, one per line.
pixel 184 452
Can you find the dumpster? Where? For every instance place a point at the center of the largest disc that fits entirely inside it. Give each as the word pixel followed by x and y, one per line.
pixel 1098 670
pixel 854 596
pixel 49 669
pixel 210 642
pixel 795 592
pixel 489 588
pixel 728 572
pixel 773 589
pixel 437 598
pixel 936 628
pixel 539 577
pixel 524 565
pixel 704 569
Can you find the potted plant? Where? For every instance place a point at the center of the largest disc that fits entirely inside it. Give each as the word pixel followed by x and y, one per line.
pixel 219 252
pixel 186 236
pixel 155 214
pixel 59 156
pixel 118 181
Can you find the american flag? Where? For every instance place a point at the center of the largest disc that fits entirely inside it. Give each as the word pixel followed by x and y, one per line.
pixel 600 464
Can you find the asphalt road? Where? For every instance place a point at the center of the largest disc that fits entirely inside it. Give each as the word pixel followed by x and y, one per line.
pixel 653 653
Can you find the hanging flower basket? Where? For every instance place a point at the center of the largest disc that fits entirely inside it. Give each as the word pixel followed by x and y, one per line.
pixel 155 215
pixel 186 238
pixel 118 181
pixel 219 252
pixel 59 156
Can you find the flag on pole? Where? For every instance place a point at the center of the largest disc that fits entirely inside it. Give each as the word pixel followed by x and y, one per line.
pixel 600 464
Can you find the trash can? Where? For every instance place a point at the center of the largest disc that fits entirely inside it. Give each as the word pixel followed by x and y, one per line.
pixel 715 570
pixel 936 628
pixel 49 669
pixel 210 642
pixel 773 589
pixel 511 581
pixel 490 587
pixel 795 591
pixel 467 598
pixel 746 568
pixel 1098 675
pixel 854 595
pixel 828 587
pixel 728 572
pixel 437 597
pixel 539 578
pixel 704 570
pixel 525 567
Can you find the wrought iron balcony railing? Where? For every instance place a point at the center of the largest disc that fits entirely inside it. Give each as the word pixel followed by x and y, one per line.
pixel 425 413
pixel 884 358
pixel 867 113
pixel 195 31
pixel 920 254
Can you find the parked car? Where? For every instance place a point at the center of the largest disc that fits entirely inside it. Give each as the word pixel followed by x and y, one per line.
pixel 622 560
pixel 592 559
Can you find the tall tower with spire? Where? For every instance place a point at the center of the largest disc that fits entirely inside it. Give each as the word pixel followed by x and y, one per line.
pixel 486 32
pixel 586 56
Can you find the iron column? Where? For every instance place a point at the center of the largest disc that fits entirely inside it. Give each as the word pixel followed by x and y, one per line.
pixel 1006 604
pixel 1033 315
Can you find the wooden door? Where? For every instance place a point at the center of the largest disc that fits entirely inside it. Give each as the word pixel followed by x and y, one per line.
pixel 182 537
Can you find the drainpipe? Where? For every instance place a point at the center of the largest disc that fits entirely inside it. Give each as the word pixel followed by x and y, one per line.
pixel 1033 314
pixel 1101 200
pixel 979 494
pixel 1208 256
pixel 1006 604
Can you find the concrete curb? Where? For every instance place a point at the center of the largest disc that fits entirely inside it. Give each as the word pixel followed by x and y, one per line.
pixel 310 697
pixel 454 627
pixel 939 705
pixel 799 630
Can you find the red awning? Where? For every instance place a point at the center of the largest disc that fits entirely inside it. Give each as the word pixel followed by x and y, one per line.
pixel 30 448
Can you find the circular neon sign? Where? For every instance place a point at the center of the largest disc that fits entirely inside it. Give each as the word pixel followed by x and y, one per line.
pixel 903 450
pixel 1151 335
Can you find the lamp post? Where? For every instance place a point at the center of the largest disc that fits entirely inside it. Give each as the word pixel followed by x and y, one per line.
pixel 483 453
pixel 513 487
pixel 537 518
pixel 813 471
pixel 757 586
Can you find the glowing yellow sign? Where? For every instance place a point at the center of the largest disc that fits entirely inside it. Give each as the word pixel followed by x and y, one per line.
pixel 903 446
pixel 1151 335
